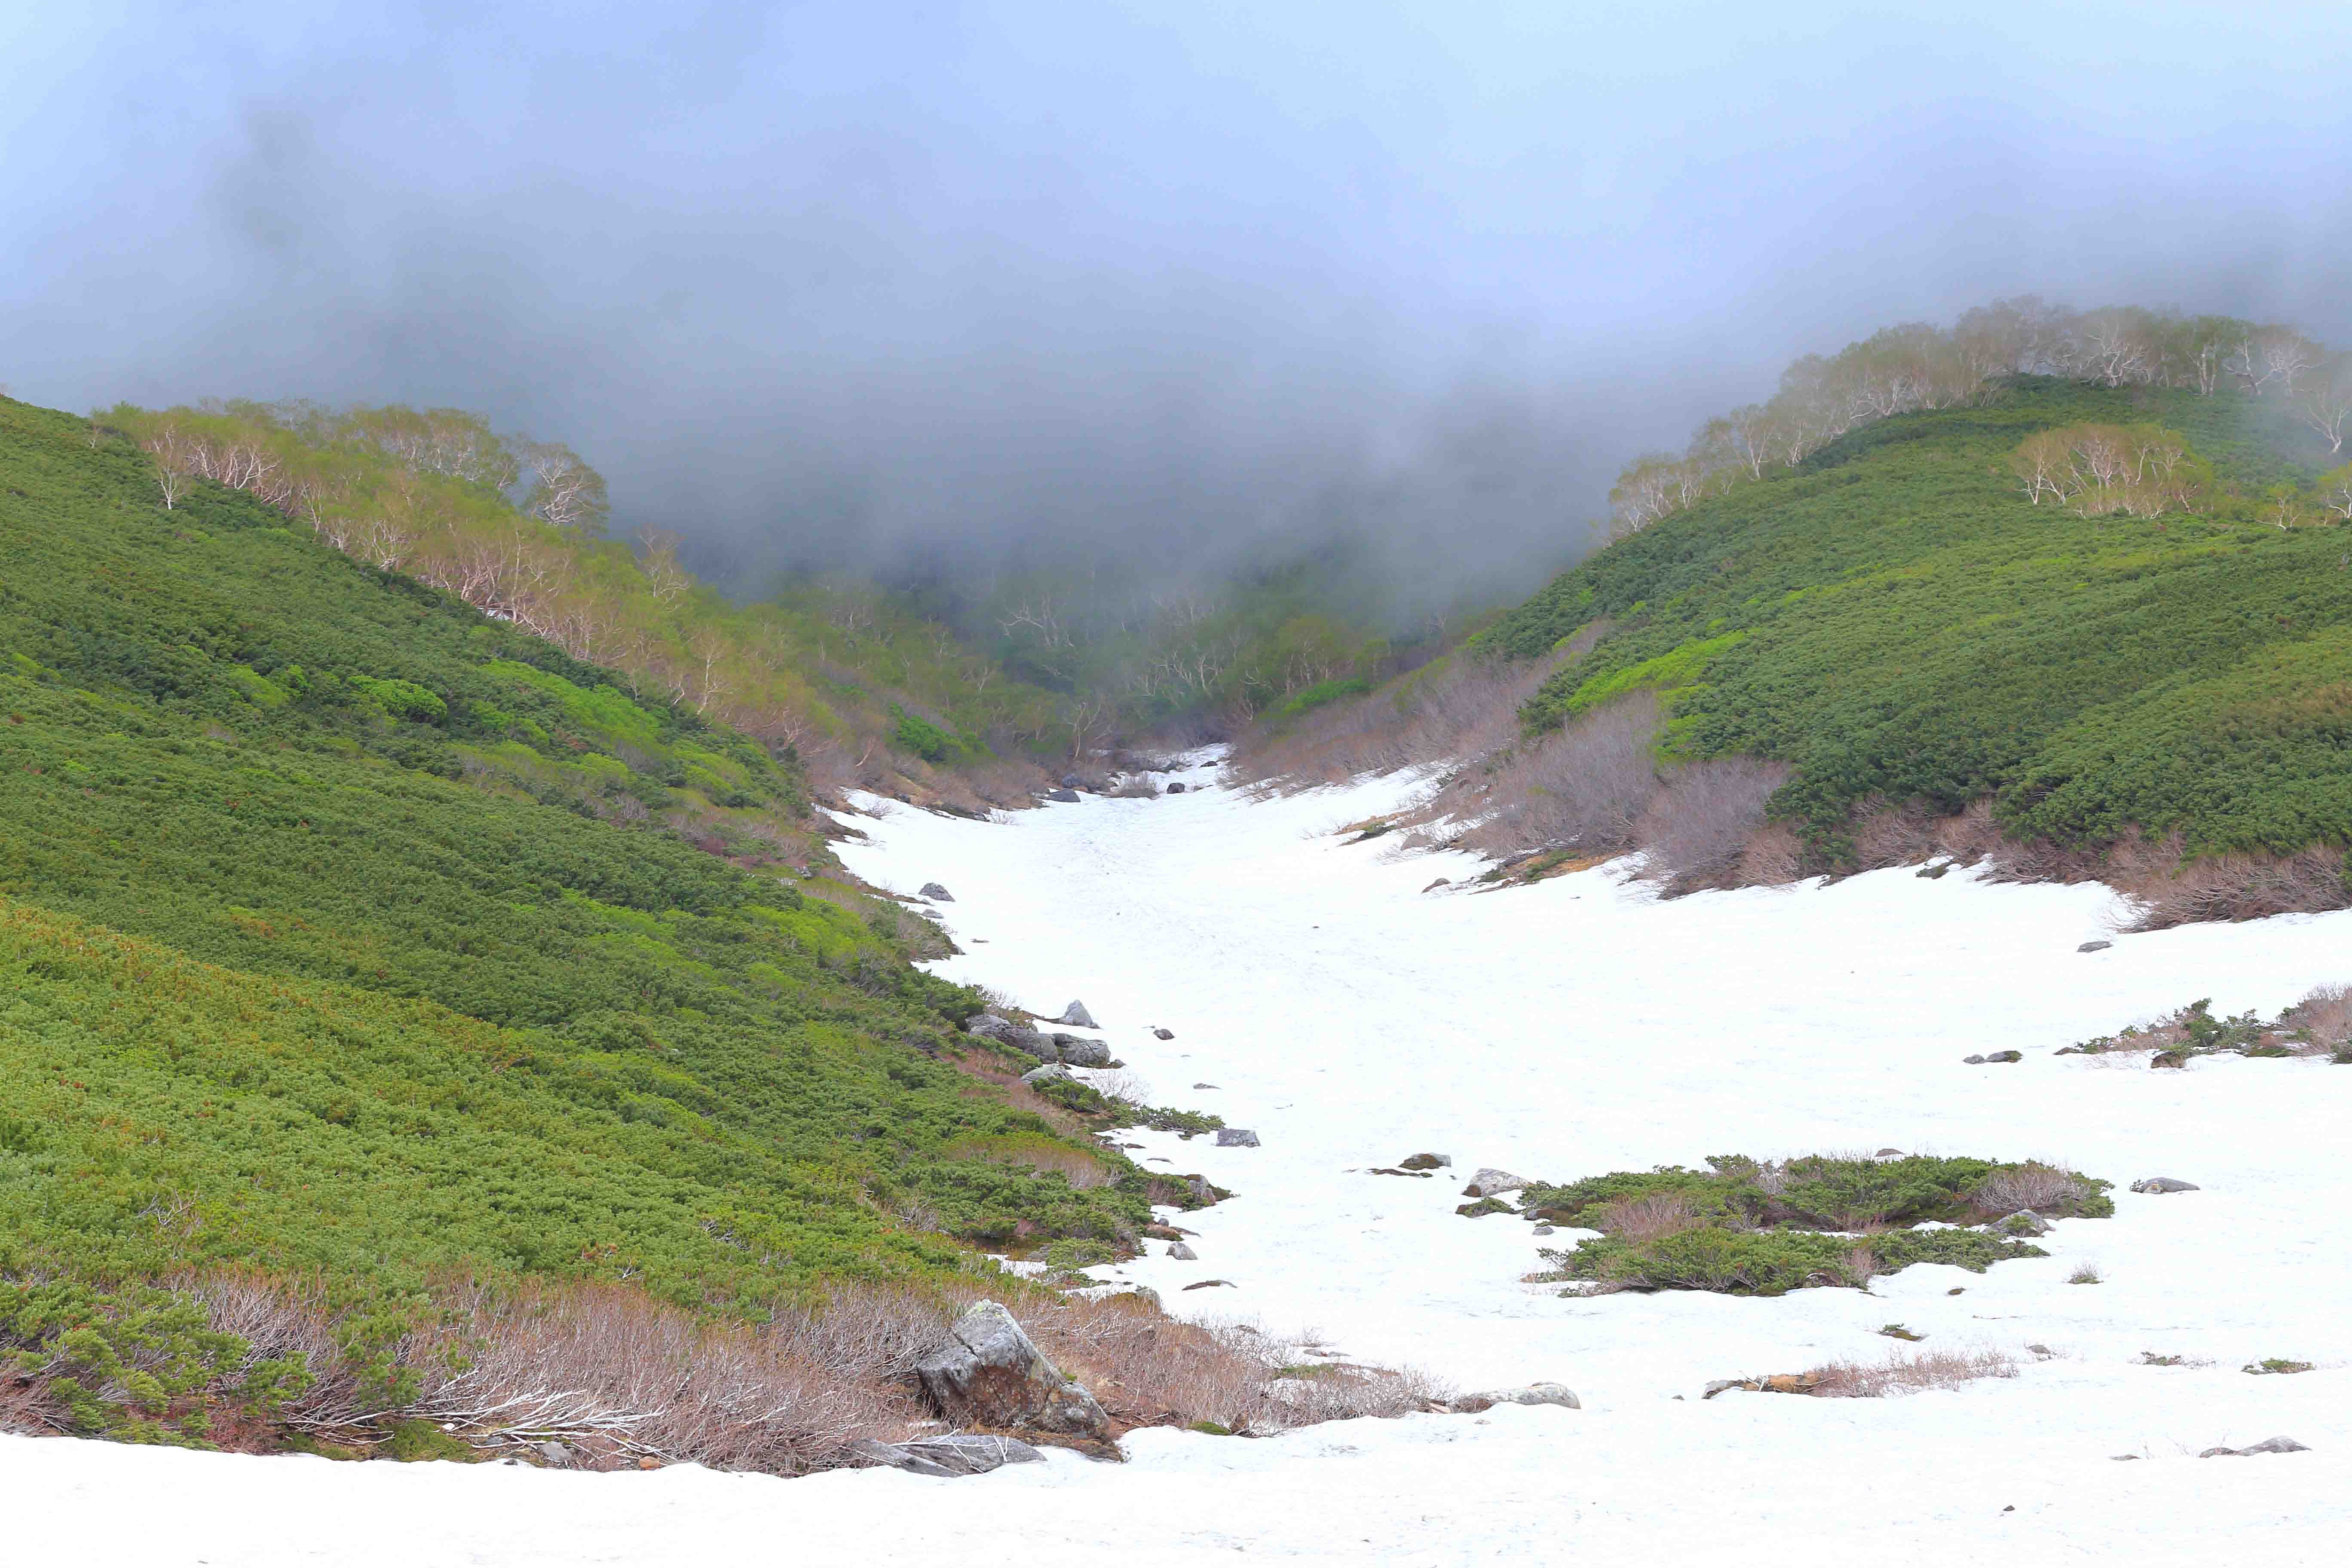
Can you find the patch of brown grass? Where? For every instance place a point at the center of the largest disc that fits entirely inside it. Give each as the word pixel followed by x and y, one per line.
pixel 1908 1372
pixel 1647 1218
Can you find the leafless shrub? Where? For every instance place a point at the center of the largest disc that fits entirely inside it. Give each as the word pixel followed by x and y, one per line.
pixel 1895 835
pixel 1119 1083
pixel 2044 1188
pixel 1581 788
pixel 2323 1020
pixel 1138 787
pixel 1774 855
pixel 1648 1218
pixel 2237 886
pixel 1908 1373
pixel 1697 829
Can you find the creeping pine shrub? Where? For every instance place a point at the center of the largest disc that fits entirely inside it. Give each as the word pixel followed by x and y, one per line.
pixel 2318 1025
pixel 1756 1228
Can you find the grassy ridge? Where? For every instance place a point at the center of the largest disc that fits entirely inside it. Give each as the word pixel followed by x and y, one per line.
pixel 1899 621
pixel 344 929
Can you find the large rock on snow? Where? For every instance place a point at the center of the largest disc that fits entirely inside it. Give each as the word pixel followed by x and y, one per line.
pixel 1076 1016
pixel 2164 1185
pixel 1491 1182
pixel 937 894
pixel 1181 1253
pixel 1066 797
pixel 1558 1394
pixel 1160 1034
pixel 1236 1138
pixel 1175 789
pixel 1424 1161
pixel 960 1454
pixel 1081 1052
pixel 989 1373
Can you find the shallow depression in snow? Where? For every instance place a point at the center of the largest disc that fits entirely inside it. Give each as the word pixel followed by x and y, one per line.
pixel 1558 1031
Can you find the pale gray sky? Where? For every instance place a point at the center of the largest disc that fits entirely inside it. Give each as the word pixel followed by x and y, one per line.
pixel 912 279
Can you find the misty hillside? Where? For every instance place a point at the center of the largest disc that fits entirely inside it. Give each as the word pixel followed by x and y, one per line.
pixel 2087 630
pixel 370 954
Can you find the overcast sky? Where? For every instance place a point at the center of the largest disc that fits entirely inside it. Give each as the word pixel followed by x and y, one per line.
pixel 916 282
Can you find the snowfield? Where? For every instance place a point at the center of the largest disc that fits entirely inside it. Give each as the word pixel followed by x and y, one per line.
pixel 1557 1031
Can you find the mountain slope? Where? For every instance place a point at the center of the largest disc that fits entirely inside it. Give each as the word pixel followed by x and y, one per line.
pixel 1897 620
pixel 347 930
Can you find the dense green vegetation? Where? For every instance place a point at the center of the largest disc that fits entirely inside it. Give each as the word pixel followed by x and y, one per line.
pixel 1752 1227
pixel 1895 616
pixel 345 930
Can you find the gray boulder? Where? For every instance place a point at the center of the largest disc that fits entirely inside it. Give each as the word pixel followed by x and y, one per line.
pixel 1973 1061
pixel 1236 1138
pixel 937 894
pixel 1491 1182
pixel 1163 1034
pixel 1076 1016
pixel 2164 1185
pixel 552 1453
pixel 989 1373
pixel 1181 1253
pixel 1202 1192
pixel 1888 1155
pixel 1080 1052
pixel 2094 947
pixel 993 1026
pixel 1038 1075
pixel 1175 789
pixel 1072 781
pixel 2024 1221
pixel 1558 1394
pixel 960 1454
pixel 1066 797
pixel 1425 1161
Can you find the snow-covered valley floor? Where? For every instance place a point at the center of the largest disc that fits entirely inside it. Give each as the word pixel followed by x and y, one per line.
pixel 1557 1031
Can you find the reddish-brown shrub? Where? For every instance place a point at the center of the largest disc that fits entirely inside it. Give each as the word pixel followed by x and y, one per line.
pixel 1697 829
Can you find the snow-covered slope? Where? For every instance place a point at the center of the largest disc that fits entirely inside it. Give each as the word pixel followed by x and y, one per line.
pixel 1558 1031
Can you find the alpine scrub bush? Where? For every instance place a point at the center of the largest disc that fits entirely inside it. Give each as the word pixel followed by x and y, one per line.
pixel 1746 1227
pixel 2318 1026
pixel 1897 624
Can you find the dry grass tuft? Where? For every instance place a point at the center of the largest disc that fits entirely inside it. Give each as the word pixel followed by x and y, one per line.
pixel 1649 1218
pixel 1908 1372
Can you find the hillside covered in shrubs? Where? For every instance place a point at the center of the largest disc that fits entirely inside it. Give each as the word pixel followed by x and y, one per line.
pixel 2091 624
pixel 365 959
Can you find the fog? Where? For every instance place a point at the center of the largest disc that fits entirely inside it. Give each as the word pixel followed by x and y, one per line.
pixel 923 288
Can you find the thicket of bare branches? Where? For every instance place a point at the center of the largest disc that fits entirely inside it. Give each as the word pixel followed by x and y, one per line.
pixel 619 1378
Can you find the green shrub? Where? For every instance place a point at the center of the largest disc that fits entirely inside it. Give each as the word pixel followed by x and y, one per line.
pixel 1897 621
